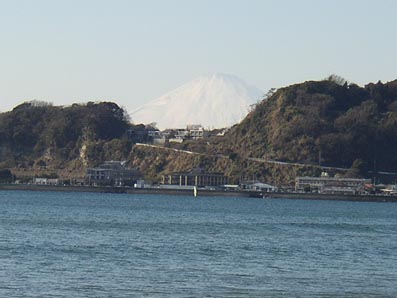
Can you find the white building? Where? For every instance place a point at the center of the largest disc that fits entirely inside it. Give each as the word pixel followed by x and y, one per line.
pixel 45 181
pixel 258 186
pixel 326 184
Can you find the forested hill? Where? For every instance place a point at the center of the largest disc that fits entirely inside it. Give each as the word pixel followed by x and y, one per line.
pixel 330 122
pixel 38 135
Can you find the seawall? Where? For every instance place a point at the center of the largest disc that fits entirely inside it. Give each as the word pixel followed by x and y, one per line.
pixel 186 192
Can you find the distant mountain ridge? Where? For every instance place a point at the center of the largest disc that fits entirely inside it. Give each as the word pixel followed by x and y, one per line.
pixel 214 101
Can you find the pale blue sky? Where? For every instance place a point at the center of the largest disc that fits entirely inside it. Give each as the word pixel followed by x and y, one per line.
pixel 133 51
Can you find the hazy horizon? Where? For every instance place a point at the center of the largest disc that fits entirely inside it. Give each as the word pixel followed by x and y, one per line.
pixel 131 52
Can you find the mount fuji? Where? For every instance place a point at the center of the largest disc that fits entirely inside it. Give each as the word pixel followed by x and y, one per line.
pixel 214 101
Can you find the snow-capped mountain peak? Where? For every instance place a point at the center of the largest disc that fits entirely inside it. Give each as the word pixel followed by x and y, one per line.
pixel 214 101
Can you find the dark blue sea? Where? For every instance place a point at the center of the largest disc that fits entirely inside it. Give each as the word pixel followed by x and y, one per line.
pixel 112 245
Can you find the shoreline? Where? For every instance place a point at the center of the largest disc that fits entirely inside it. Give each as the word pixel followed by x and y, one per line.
pixel 122 190
pixel 201 192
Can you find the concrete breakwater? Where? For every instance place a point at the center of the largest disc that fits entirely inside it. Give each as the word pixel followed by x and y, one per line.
pixel 332 197
pixel 201 192
pixel 125 190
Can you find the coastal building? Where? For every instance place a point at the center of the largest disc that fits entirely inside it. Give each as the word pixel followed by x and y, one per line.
pixel 45 181
pixel 253 185
pixel 327 184
pixel 196 177
pixel 113 173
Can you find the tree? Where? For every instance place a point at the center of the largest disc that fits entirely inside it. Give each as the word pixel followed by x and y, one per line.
pixel 359 169
pixel 337 79
pixel 6 176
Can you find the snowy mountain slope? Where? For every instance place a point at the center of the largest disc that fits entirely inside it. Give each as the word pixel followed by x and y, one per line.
pixel 214 101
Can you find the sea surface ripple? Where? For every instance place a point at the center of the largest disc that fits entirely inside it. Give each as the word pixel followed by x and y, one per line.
pixel 55 244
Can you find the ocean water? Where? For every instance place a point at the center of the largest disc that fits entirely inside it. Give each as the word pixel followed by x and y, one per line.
pixel 113 245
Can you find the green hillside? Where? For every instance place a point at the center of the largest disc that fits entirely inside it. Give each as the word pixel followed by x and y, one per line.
pixel 323 123
pixel 328 123
pixel 38 136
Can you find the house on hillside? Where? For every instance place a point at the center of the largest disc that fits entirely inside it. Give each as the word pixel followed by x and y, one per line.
pixel 195 131
pixel 181 134
pixel 191 132
pixel 156 137
pixel 151 135
pixel 144 134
